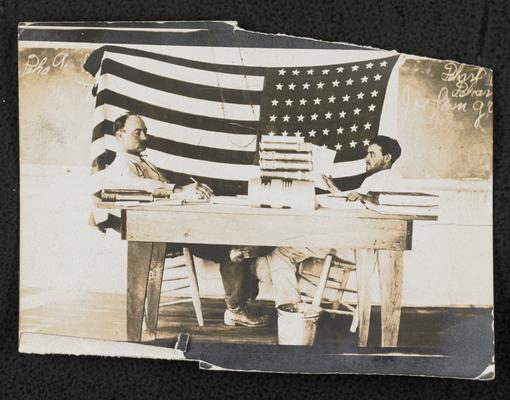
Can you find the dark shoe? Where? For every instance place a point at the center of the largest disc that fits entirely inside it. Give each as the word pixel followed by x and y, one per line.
pixel 241 316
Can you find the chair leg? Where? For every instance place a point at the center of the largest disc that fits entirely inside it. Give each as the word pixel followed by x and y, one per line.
pixel 197 305
pixel 317 298
pixel 344 278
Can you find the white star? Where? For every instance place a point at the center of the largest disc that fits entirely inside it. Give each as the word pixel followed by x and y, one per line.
pixel 340 130
pixel 300 117
pixel 324 146
pixel 352 143
pixel 312 133
pixel 349 82
pixel 310 71
pixel 288 102
pixel 320 85
pixel 302 102
pixel 314 116
pixel 285 133
pixel 364 79
pixel 346 98
pixel 340 69
pixel 286 118
pixel 367 126
pixel 279 86
pixel 292 86
pixel 325 131
pixel 369 65
pixel 332 99
pixel 371 107
pixel 354 128
pixel 274 102
pixel 335 83
pixel 338 146
pixel 328 115
pixel 342 114
pixel 356 111
pixel 272 118
pixel 366 142
pixel 360 95
pixel 374 93
pixel 316 101
pixel 383 64
pixel 355 67
pixel 271 133
pixel 297 133
pixel 281 72
pixel 377 77
pixel 295 72
pixel 325 71
pixel 306 85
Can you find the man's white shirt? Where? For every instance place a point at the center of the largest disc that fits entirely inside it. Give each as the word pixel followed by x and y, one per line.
pixel 129 171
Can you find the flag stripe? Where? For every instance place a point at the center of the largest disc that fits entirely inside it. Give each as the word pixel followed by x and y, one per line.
pixel 106 114
pixel 93 63
pixel 106 96
pixel 109 142
pixel 210 169
pixel 176 86
pixel 237 79
pixel 177 102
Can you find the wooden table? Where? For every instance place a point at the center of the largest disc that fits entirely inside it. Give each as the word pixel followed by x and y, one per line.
pixel 379 240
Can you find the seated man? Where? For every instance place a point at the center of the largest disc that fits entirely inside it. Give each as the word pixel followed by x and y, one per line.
pixel 280 265
pixel 130 170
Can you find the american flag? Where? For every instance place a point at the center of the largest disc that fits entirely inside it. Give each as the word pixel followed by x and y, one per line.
pixel 204 119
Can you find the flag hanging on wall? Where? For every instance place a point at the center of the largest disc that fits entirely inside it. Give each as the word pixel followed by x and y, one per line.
pixel 204 119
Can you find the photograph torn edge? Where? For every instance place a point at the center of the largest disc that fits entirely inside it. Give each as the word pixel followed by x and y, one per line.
pixel 22 26
pixel 487 375
pixel 44 344
pixel 37 343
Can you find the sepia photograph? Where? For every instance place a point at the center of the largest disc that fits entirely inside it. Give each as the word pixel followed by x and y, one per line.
pixel 253 201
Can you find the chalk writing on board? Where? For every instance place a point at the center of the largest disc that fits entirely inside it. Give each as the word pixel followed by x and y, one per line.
pixel 463 89
pixel 39 65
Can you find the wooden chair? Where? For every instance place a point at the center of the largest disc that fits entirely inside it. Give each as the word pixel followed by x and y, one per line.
pixel 324 281
pixel 179 273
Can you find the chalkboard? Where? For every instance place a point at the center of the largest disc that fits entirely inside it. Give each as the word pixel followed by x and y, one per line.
pixel 445 113
pixel 55 106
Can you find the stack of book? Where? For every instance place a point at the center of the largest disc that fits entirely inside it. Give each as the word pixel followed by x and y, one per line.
pixel 285 157
pixel 126 195
pixel 286 174
pixel 406 203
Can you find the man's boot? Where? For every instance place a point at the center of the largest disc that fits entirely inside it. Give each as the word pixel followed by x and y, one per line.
pixel 241 316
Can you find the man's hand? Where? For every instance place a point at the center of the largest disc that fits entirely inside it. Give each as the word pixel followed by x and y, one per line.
pixel 200 190
pixel 354 196
pixel 162 193
pixel 331 184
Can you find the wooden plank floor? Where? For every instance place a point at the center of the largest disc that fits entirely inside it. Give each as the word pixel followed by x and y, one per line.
pixel 103 316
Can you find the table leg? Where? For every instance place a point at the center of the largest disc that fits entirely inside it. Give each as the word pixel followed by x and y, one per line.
pixel 139 260
pixel 390 283
pixel 365 266
pixel 157 264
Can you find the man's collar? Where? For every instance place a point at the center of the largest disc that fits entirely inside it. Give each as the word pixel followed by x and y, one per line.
pixel 130 156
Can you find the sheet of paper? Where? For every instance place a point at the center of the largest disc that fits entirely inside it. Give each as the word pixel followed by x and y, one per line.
pixel 323 159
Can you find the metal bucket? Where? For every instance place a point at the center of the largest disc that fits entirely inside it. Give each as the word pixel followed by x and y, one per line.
pixel 297 324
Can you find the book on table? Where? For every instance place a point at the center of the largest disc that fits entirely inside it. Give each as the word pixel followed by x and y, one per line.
pixel 432 211
pixel 403 199
pixel 126 195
